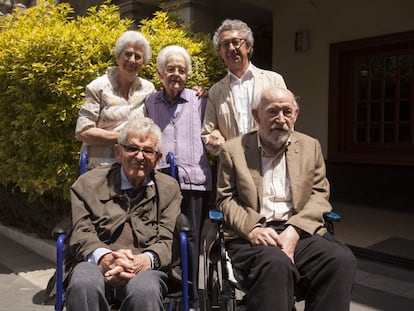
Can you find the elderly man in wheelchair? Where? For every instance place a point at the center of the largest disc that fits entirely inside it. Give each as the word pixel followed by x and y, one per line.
pixel 123 220
pixel 273 193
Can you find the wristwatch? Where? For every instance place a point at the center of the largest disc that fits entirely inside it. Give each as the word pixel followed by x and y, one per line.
pixel 155 260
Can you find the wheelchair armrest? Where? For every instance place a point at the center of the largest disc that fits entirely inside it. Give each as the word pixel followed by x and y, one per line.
pixel 62 227
pixel 182 224
pixel 216 215
pixel 331 216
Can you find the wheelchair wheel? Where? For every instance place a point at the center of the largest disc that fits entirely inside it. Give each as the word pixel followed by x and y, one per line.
pixel 213 288
pixel 217 299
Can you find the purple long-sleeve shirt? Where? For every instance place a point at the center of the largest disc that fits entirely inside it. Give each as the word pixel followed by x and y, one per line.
pixel 180 122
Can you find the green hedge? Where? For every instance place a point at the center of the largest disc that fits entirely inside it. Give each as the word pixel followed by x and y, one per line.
pixel 47 56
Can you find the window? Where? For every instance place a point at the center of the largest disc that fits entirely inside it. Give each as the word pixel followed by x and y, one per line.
pixel 371 100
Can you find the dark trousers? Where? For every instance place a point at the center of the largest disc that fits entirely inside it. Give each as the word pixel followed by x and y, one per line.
pixel 194 207
pixel 323 274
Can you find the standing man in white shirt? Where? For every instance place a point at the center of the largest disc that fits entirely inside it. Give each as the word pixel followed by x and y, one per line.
pixel 230 100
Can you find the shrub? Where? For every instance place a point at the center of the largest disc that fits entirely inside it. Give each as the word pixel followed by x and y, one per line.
pixel 47 56
pixel 46 59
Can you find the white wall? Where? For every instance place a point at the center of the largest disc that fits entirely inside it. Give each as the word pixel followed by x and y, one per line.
pixel 328 21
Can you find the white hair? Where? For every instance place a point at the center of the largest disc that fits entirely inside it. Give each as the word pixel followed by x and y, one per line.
pixel 135 38
pixel 173 50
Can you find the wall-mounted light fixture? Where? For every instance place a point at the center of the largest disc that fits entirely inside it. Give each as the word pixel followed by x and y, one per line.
pixel 302 41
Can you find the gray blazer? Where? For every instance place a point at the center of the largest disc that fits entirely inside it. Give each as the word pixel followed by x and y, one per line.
pixel 240 184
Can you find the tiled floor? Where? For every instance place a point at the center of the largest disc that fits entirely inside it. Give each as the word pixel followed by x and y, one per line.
pixel 379 287
pixel 365 226
pixel 23 276
pixel 24 272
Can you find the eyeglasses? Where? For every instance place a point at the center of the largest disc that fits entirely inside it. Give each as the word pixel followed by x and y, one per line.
pixel 132 151
pixel 236 42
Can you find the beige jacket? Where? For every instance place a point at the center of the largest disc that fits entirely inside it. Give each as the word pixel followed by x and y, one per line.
pixel 221 110
pixel 240 184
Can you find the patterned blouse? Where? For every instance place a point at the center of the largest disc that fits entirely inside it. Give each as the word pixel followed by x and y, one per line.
pixel 106 108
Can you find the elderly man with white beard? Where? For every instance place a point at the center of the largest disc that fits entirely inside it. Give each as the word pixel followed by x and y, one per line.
pixel 273 191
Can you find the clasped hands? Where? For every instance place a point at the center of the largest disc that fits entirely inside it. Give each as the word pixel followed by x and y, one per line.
pixel 121 266
pixel 286 240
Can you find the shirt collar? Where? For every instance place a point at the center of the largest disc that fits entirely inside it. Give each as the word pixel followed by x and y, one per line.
pixel 113 73
pixel 246 75
pixel 181 99
pixel 125 184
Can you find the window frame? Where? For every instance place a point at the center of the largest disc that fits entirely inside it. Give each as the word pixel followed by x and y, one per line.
pixel 342 102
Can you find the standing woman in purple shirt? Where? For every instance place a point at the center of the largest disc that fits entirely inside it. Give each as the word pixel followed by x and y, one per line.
pixel 179 112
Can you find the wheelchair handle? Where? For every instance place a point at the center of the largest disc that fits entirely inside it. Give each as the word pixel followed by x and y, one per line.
pixel 171 161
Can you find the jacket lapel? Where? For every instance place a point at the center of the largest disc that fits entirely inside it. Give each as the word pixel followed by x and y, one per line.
pixel 258 82
pixel 227 96
pixel 293 166
pixel 253 159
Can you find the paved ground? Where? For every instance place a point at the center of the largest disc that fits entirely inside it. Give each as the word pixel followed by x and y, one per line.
pixel 26 264
pixel 23 277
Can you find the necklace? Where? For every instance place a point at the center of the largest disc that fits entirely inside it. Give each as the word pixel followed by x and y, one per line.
pixel 125 94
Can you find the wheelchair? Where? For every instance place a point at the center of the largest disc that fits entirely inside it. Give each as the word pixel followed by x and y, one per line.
pixel 220 284
pixel 175 299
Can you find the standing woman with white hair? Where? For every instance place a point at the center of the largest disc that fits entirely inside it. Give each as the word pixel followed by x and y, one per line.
pixel 110 98
pixel 179 112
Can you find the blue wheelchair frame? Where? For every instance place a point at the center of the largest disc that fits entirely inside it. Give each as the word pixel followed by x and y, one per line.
pixel 183 249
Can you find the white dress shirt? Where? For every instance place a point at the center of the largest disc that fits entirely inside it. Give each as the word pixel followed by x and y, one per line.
pixel 277 196
pixel 242 91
